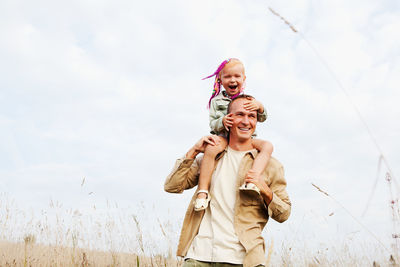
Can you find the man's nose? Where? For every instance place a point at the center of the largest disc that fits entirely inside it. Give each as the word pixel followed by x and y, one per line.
pixel 245 119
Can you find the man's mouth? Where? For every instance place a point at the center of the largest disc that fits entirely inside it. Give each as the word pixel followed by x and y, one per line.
pixel 244 128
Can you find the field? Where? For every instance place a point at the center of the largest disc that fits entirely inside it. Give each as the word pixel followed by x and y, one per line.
pixel 116 237
pixel 31 254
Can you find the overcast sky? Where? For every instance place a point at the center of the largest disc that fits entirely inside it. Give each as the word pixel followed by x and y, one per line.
pixel 112 91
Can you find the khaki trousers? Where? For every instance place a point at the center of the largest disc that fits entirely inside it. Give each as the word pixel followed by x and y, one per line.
pixel 195 263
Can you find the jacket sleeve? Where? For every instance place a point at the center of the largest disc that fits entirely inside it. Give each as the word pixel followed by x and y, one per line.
pixel 280 206
pixel 216 117
pixel 261 117
pixel 184 175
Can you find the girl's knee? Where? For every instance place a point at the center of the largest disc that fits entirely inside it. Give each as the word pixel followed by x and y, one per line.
pixel 262 145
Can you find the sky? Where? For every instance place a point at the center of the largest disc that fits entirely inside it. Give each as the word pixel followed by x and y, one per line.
pixel 99 98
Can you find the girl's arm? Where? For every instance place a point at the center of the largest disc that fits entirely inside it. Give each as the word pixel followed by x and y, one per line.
pixel 218 110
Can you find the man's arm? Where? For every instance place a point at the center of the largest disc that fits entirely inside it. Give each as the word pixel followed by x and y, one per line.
pixel 183 176
pixel 279 207
pixel 185 173
pixel 275 196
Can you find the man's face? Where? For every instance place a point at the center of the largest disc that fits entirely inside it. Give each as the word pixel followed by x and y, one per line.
pixel 244 121
pixel 232 78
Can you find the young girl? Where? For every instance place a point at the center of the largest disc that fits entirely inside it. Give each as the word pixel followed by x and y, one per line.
pixel 230 74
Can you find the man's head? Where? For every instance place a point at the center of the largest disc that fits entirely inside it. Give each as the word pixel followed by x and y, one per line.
pixel 244 121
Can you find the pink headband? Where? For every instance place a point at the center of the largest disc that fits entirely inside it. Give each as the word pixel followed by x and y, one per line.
pixel 217 82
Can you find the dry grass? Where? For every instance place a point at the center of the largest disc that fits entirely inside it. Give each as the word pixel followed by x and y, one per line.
pixel 88 236
pixel 113 236
pixel 28 254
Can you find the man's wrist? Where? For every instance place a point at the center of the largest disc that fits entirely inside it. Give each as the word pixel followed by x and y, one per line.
pixel 267 194
pixel 192 153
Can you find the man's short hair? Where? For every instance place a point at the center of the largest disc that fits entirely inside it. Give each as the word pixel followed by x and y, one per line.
pixel 249 97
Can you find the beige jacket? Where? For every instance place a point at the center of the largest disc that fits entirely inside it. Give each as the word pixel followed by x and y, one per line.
pixel 251 214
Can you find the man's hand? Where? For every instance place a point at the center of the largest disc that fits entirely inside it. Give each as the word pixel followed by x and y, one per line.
pixel 200 145
pixel 227 121
pixel 255 178
pixel 254 105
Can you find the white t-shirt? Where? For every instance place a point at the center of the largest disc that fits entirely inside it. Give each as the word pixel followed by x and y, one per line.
pixel 217 240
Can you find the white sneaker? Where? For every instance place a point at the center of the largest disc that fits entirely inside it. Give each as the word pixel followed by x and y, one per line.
pixel 202 203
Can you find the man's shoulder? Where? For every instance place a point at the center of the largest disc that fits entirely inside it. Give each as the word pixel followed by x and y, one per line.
pixel 274 162
pixel 273 166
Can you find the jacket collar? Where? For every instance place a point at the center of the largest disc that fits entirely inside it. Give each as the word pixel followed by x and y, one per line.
pixel 225 94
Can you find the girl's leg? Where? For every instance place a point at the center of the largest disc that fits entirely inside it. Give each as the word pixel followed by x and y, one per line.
pixel 206 170
pixel 265 149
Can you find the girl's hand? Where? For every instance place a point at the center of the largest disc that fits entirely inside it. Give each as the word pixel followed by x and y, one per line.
pixel 227 121
pixel 255 178
pixel 200 145
pixel 254 105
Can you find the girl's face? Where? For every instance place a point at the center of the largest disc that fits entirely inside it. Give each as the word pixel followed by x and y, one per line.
pixel 232 78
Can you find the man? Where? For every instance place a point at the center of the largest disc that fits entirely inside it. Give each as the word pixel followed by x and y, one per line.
pixel 228 232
